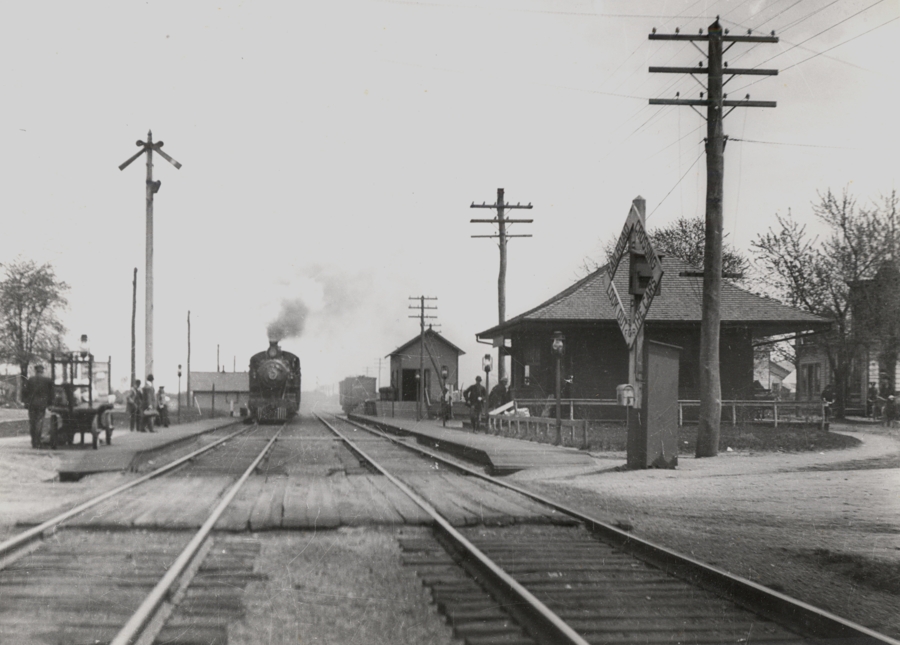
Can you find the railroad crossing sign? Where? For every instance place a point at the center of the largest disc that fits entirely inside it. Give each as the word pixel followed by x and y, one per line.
pixel 633 236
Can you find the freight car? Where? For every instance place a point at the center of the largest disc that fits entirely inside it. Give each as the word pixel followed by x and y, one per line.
pixel 274 384
pixel 355 391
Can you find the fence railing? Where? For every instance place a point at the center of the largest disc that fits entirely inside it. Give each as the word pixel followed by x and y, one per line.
pixel 541 430
pixel 737 410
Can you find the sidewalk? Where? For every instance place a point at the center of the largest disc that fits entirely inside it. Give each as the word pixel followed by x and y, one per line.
pixel 75 461
pixel 501 455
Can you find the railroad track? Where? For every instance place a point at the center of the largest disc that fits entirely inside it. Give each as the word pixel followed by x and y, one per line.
pixel 591 583
pixel 95 584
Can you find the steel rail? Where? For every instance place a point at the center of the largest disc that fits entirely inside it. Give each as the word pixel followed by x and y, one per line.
pixel 22 539
pixel 551 625
pixel 783 609
pixel 144 614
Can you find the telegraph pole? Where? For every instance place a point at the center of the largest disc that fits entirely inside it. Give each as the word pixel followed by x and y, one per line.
pixel 502 235
pixel 133 321
pixel 420 394
pixel 152 188
pixel 189 401
pixel 716 69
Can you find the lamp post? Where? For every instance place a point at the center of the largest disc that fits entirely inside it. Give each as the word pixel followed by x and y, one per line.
pixel 445 395
pixel 486 365
pixel 558 347
pixel 179 394
pixel 418 396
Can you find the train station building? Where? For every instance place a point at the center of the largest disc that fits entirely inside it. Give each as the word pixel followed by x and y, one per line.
pixel 595 358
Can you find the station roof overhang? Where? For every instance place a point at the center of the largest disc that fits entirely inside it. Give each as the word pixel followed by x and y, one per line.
pixel 586 304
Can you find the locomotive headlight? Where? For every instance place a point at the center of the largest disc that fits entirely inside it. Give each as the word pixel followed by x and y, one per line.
pixel 272 352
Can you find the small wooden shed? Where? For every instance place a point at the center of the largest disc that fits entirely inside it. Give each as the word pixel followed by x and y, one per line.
pixel 437 355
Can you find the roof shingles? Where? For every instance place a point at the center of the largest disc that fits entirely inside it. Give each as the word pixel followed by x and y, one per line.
pixel 680 300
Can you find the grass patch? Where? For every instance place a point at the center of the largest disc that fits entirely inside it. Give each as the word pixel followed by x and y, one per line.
pixel 765 439
pixel 880 575
pixel 613 437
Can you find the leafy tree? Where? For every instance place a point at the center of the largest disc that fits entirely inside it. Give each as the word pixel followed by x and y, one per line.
pixel 31 297
pixel 816 274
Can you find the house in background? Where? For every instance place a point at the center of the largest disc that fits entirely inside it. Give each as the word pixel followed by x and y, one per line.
pixel 226 391
pixel 771 375
pixel 875 317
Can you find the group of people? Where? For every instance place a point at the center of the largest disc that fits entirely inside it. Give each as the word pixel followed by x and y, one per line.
pixel 147 408
pixel 476 394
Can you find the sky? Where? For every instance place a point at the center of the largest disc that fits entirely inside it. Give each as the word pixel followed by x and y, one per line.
pixel 331 152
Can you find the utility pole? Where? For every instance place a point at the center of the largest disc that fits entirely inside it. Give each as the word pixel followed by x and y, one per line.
pixel 420 394
pixel 502 235
pixel 189 400
pixel 152 188
pixel 716 69
pixel 133 322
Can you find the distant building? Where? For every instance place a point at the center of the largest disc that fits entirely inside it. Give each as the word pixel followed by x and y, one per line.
pixel 232 390
pixel 438 353
pixel 769 374
pixel 875 321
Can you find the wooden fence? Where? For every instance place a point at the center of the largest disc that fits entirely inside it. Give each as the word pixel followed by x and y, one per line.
pixel 747 411
pixel 541 430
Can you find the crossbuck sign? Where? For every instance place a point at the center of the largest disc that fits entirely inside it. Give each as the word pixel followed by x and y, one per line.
pixel 633 231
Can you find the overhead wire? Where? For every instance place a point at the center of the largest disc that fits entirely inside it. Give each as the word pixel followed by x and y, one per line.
pixel 676 183
pixel 817 54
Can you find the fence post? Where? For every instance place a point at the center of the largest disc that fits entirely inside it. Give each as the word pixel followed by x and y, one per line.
pixel 584 442
pixel 680 414
pixel 571 410
pixel 775 412
pixel 733 413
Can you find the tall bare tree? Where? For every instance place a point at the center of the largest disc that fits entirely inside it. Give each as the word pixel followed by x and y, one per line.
pixel 31 299
pixel 817 274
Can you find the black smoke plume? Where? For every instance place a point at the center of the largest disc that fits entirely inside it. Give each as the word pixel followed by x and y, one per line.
pixel 290 321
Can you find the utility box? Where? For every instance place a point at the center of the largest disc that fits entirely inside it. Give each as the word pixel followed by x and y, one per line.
pixel 653 433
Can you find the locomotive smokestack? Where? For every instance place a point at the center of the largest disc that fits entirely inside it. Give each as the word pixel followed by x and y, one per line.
pixel 273 344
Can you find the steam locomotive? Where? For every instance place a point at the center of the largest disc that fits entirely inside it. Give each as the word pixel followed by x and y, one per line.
pixel 274 384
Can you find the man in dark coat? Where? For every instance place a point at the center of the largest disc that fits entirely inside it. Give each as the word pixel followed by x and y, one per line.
pixel 135 405
pixel 37 395
pixel 499 394
pixel 475 396
pixel 148 400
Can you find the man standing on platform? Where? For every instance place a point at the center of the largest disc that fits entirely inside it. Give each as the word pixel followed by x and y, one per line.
pixel 162 403
pixel 475 396
pixel 37 395
pixel 499 396
pixel 134 406
pixel 148 398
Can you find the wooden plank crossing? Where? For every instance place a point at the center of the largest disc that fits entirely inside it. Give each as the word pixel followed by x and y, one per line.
pixel 310 502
